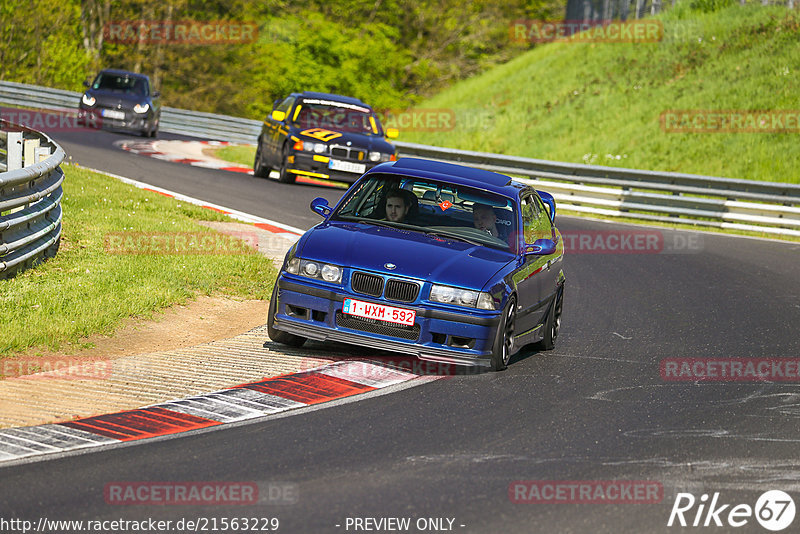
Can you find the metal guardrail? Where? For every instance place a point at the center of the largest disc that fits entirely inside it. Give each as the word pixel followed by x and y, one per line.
pixel 768 207
pixel 30 198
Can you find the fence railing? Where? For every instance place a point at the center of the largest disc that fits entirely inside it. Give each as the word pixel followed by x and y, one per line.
pixel 752 205
pixel 30 197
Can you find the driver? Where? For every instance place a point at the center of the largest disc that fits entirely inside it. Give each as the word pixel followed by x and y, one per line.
pixel 396 206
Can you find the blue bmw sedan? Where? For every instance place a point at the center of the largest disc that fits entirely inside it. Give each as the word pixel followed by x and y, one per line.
pixel 445 262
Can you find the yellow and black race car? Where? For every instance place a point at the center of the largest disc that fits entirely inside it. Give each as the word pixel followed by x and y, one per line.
pixel 321 135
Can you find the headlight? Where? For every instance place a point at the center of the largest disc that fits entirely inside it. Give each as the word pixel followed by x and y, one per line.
pixel 374 156
pixel 462 297
pixel 88 100
pixel 319 148
pixel 141 108
pixel 314 269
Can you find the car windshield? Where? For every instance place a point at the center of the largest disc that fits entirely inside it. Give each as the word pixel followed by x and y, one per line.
pixel 339 116
pixel 434 207
pixel 121 83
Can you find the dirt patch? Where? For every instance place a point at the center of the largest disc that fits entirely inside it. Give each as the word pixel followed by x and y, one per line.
pixel 202 320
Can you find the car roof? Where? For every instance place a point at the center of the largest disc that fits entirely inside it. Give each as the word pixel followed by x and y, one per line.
pixel 331 96
pixel 450 172
pixel 120 72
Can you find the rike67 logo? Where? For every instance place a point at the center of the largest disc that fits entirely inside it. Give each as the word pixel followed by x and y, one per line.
pixel 774 510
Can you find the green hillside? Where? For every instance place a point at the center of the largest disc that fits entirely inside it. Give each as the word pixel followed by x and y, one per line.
pixel 600 103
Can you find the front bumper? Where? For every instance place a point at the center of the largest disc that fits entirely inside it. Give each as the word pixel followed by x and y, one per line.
pixel 132 121
pixel 443 336
pixel 316 166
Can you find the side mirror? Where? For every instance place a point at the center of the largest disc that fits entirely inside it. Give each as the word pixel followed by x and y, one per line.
pixel 320 206
pixel 156 94
pixel 276 102
pixel 392 133
pixel 278 116
pixel 86 83
pixel 548 199
pixel 542 247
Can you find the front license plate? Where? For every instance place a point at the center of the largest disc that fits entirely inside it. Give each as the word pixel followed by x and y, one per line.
pixel 347 166
pixel 113 114
pixel 379 311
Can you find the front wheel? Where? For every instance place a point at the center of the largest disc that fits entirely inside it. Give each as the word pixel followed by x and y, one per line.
pixel 285 338
pixel 504 339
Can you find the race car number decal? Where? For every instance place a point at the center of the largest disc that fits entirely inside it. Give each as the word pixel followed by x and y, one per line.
pixel 321 133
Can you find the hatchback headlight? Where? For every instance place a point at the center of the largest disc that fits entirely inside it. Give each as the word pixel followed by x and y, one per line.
pixel 462 297
pixel 314 269
pixel 141 108
pixel 88 100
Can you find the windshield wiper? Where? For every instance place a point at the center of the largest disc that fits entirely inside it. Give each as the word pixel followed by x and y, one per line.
pixel 453 236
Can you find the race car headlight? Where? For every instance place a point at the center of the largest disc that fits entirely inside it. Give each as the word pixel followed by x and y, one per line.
pixel 314 269
pixel 461 297
pixel 88 100
pixel 141 108
pixel 319 148
pixel 375 156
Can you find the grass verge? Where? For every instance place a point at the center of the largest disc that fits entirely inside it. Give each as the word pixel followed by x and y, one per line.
pixel 601 103
pixel 85 289
pixel 241 154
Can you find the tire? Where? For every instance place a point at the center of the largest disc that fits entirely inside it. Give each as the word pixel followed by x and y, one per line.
pixel 503 346
pixel 286 176
pixel 284 338
pixel 259 170
pixel 553 324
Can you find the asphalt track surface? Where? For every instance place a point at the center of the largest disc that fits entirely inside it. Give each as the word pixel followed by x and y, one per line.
pixel 596 408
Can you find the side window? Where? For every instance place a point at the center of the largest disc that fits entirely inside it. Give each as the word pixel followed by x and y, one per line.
pixel 285 105
pixel 535 221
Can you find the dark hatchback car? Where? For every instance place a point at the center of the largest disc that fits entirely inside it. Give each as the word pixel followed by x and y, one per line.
pixel 121 100
pixel 321 135
pixel 469 271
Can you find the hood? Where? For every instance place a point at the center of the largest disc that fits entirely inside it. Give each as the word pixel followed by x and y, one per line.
pixel 416 255
pixel 334 137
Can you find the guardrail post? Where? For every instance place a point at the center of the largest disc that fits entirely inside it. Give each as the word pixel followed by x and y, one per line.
pixel 29 147
pixel 14 147
pixel 42 153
